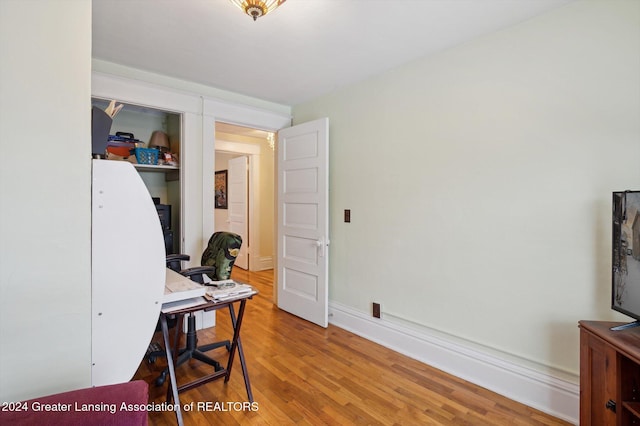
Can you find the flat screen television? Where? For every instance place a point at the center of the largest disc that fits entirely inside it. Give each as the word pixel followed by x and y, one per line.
pixel 625 277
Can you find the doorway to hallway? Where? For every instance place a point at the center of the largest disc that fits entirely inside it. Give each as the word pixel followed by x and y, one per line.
pixel 232 142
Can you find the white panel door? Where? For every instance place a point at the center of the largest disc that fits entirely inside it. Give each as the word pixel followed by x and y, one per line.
pixel 237 195
pixel 303 220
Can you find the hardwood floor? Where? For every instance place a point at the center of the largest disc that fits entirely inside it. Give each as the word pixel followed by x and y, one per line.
pixel 303 374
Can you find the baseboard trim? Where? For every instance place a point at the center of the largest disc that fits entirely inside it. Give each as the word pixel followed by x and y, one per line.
pixel 263 263
pixel 551 394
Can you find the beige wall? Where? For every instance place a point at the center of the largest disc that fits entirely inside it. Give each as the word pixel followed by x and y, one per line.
pixel 479 182
pixel 45 202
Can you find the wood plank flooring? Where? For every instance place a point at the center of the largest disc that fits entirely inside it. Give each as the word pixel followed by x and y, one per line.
pixel 303 374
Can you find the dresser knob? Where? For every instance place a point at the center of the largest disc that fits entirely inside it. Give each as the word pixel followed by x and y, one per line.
pixel 611 405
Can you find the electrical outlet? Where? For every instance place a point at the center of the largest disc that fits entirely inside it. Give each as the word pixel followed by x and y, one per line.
pixel 376 310
pixel 347 215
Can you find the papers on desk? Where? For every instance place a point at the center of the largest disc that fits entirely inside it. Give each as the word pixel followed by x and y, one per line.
pixel 220 283
pixel 235 291
pixel 229 290
pixel 178 287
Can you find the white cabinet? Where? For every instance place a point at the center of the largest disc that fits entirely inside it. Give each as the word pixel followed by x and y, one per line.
pixel 194 115
pixel 162 181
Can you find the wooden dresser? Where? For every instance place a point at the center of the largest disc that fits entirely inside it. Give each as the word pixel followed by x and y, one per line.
pixel 609 374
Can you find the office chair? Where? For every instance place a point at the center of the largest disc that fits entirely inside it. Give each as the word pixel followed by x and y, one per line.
pixel 217 261
pixel 173 261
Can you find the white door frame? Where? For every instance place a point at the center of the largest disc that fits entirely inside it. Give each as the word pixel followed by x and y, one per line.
pixel 216 110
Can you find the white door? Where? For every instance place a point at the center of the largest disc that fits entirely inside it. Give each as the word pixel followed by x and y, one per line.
pixel 237 206
pixel 303 220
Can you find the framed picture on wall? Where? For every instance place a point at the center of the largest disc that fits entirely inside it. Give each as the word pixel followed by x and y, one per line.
pixel 220 185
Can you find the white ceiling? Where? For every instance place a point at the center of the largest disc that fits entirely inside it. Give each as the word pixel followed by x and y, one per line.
pixel 304 49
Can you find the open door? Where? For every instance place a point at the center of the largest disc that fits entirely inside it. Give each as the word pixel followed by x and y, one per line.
pixel 303 220
pixel 237 206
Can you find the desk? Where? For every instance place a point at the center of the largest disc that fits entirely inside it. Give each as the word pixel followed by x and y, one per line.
pixel 193 305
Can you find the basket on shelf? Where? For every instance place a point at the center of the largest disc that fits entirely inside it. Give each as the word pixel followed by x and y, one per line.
pixel 147 156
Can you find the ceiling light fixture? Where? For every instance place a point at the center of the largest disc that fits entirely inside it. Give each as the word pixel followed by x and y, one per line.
pixel 257 8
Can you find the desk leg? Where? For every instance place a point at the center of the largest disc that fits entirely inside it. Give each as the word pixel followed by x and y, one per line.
pixel 176 350
pixel 238 343
pixel 172 372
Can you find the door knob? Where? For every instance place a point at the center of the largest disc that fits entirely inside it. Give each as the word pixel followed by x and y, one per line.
pixel 320 245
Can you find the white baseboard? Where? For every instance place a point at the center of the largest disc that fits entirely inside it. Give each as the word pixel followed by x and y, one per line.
pixel 551 394
pixel 263 263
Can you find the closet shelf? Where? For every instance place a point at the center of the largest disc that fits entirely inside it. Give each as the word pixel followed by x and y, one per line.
pixel 155 168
